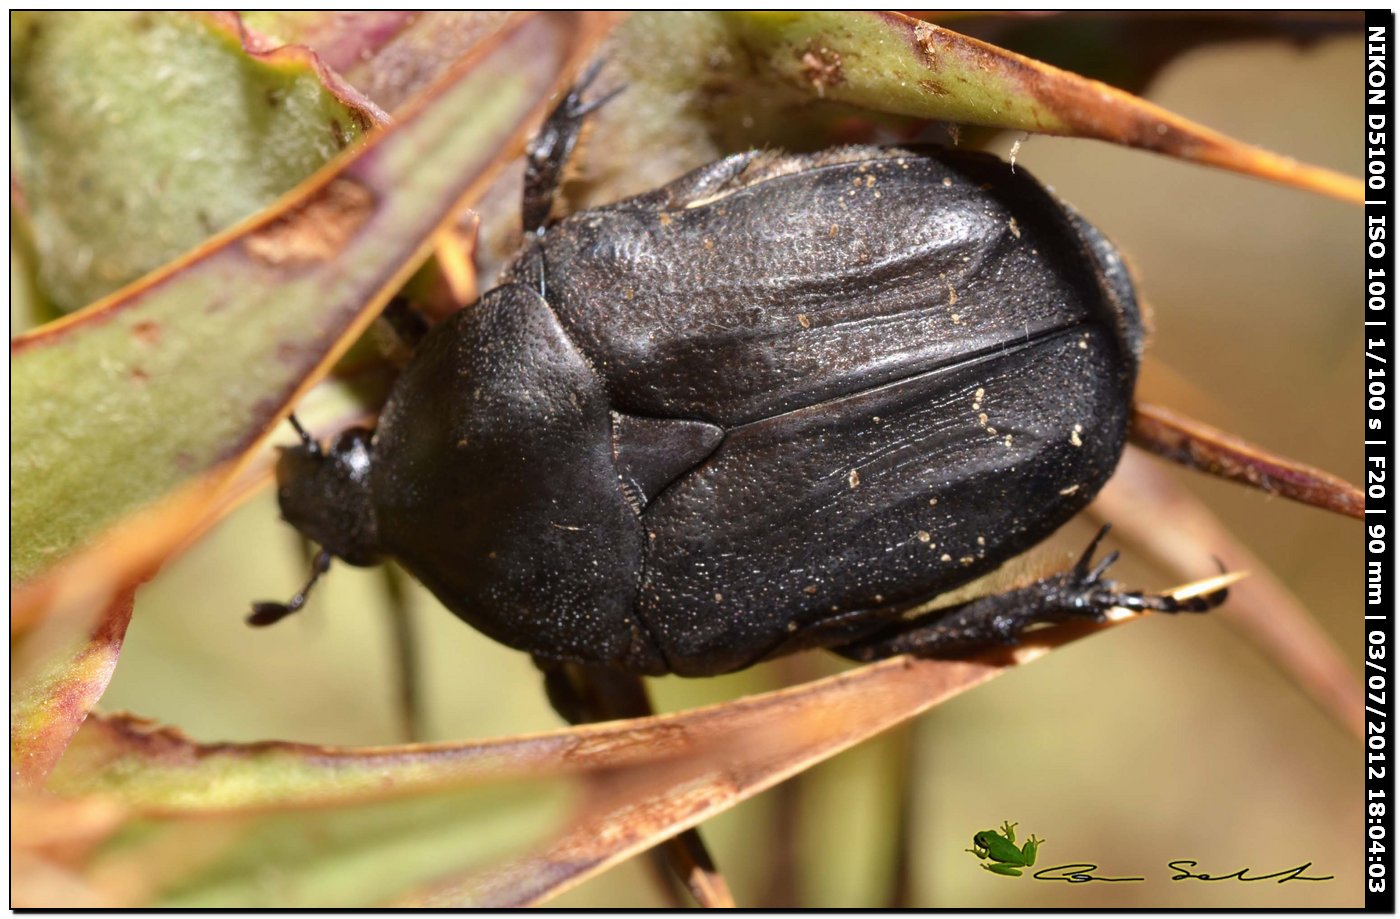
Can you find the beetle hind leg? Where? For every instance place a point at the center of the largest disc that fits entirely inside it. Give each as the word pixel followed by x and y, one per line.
pixel 548 152
pixel 1000 619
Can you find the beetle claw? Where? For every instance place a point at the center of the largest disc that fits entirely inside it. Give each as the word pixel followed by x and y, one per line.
pixel 580 110
pixel 573 107
pixel 1090 594
pixel 1081 567
pixel 1093 576
pixel 586 78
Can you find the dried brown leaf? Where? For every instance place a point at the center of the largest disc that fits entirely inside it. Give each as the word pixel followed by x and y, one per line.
pixel 1206 449
pixel 734 751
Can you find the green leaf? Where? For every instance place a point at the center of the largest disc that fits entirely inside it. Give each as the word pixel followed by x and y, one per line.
pixel 139 135
pixel 890 62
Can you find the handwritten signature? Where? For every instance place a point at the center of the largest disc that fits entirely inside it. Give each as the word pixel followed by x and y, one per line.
pixel 1082 873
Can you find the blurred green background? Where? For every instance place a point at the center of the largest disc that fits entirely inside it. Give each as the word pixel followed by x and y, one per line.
pixel 1162 740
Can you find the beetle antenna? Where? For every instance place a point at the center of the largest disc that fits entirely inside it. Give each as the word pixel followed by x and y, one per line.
pixel 268 613
pixel 307 440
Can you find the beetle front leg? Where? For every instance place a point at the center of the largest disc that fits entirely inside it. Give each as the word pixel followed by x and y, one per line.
pixel 549 150
pixel 999 619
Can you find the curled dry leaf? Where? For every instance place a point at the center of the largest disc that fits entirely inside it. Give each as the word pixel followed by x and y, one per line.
pixel 890 62
pixel 596 694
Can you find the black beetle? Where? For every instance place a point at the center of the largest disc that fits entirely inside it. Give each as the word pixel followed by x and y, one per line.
pixel 770 406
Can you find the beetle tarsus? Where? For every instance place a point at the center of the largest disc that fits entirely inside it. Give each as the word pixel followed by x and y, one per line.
pixel 549 151
pixel 1000 619
pixel 266 613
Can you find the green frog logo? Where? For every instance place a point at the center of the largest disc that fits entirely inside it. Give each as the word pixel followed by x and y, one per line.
pixel 997 849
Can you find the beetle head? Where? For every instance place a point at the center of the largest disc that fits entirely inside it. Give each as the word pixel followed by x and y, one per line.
pixel 325 494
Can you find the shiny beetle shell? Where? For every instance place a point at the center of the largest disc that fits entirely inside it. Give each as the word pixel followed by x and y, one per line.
pixel 758 408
